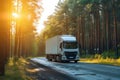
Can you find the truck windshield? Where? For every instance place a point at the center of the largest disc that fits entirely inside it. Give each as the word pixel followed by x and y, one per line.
pixel 70 45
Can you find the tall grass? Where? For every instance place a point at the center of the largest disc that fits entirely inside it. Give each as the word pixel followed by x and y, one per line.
pixel 15 70
pixel 107 57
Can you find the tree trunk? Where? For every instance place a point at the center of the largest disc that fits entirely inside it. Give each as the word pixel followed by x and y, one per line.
pixel 115 30
pixel 4 34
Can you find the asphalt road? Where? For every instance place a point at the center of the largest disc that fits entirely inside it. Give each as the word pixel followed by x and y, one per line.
pixel 41 72
pixel 78 71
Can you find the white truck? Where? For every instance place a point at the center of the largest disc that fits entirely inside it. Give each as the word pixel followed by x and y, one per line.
pixel 62 48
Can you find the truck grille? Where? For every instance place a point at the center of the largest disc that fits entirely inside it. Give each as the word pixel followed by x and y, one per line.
pixel 70 55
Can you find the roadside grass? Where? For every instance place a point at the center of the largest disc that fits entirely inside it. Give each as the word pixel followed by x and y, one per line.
pixel 15 70
pixel 99 59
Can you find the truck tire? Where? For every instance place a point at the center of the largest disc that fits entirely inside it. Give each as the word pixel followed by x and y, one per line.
pixel 48 58
pixel 76 61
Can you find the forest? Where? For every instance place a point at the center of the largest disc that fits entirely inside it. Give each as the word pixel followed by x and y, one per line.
pixel 95 23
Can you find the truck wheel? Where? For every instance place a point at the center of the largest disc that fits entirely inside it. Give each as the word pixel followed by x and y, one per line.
pixel 50 59
pixel 76 61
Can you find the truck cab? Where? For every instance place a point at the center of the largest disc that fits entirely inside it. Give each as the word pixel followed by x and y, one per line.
pixel 69 48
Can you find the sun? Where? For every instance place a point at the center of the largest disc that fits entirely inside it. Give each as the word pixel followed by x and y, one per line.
pixel 15 15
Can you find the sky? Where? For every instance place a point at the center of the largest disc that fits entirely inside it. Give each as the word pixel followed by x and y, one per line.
pixel 49 8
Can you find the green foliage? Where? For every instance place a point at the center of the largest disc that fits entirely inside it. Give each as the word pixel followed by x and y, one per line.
pixel 15 70
pixel 97 56
pixel 108 54
pixel 84 55
pixel 40 45
pixel 104 55
pixel 89 56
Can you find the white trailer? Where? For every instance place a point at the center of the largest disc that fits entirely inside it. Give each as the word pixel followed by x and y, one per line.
pixel 62 48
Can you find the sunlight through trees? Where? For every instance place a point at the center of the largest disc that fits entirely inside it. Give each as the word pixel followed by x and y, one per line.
pixel 17 32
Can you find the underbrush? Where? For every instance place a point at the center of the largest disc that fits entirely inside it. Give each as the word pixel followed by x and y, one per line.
pixel 15 70
pixel 107 57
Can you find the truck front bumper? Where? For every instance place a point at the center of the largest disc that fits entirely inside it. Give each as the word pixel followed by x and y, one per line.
pixel 64 58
